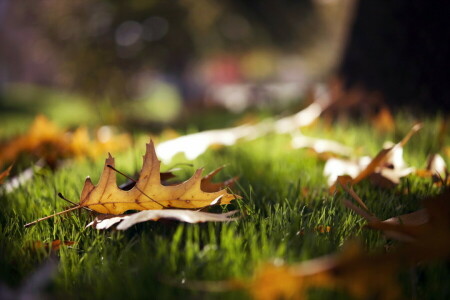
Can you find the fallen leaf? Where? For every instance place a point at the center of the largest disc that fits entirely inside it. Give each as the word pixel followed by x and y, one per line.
pixel 47 141
pixel 336 167
pixel 390 155
pixel 436 169
pixel 424 236
pixel 43 139
pixel 188 216
pixel 384 170
pixel 303 118
pixel 436 164
pixel 361 275
pixel 193 145
pixel 148 193
pixel 427 230
pixel 320 145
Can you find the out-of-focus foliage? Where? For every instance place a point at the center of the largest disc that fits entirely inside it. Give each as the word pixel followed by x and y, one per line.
pixel 111 48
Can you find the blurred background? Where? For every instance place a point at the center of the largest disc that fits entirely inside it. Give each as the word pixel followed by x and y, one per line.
pixel 148 64
pixel 144 63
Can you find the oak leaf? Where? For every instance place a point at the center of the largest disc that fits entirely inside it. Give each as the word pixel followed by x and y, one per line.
pixel 148 193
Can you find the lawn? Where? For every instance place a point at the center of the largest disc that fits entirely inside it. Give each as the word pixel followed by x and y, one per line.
pixel 285 198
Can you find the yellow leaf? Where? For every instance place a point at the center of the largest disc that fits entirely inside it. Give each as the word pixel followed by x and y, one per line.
pixel 148 193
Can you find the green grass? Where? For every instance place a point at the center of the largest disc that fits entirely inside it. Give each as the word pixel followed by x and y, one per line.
pixel 147 260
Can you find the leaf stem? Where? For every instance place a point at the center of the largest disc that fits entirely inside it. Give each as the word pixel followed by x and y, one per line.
pixel 71 202
pixel 51 216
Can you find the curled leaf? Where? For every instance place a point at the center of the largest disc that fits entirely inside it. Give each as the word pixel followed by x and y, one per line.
pixel 188 216
pixel 195 144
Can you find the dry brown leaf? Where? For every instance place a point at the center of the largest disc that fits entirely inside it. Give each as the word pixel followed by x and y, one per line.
pixel 424 236
pixel 385 155
pixel 384 170
pixel 5 174
pixel 427 231
pixel 188 216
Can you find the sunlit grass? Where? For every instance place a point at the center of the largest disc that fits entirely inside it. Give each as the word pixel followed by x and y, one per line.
pixel 285 198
